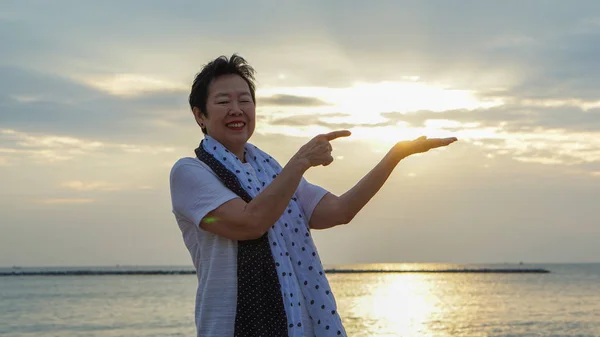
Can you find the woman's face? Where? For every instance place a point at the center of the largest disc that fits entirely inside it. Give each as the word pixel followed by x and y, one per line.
pixel 230 111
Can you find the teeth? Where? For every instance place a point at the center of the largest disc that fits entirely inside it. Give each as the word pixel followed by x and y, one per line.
pixel 236 125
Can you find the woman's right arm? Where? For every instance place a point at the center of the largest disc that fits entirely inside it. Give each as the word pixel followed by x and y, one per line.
pixel 238 220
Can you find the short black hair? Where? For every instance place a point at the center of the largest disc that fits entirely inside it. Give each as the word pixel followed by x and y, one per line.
pixel 220 66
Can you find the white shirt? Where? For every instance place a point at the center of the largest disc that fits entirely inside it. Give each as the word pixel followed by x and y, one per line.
pixel 195 191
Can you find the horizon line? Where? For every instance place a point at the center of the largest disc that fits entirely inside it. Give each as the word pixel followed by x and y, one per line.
pixel 327 265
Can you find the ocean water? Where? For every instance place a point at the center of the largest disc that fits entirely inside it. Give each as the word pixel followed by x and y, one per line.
pixel 564 302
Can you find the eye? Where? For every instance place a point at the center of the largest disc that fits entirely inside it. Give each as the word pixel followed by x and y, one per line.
pixel 245 98
pixel 223 102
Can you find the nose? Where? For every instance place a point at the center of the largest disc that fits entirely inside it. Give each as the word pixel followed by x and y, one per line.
pixel 235 109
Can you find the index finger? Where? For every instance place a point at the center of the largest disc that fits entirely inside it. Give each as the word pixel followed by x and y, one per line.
pixel 337 134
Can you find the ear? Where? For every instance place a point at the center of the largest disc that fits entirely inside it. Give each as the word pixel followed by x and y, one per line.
pixel 200 117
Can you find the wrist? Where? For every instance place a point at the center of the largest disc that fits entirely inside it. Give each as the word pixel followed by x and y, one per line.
pixel 301 164
pixel 398 152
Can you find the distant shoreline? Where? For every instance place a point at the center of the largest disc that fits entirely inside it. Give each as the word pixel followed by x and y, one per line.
pixel 328 271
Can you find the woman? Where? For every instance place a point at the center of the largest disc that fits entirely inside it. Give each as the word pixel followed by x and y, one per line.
pixel 246 221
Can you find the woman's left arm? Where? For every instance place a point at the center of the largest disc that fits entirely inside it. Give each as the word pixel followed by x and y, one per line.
pixel 332 210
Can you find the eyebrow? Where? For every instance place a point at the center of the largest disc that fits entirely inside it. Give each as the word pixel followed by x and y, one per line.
pixel 225 95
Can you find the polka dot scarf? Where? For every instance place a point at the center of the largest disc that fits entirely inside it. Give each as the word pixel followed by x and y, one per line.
pixel 296 262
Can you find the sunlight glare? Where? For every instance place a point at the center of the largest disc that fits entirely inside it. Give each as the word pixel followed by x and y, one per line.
pixel 402 304
pixel 362 105
pixel 368 99
pixel 402 97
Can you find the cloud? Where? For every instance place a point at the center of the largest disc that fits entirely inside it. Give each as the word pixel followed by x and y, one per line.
pixel 101 186
pixel 40 86
pixel 553 135
pixel 291 100
pixel 132 84
pixel 43 148
pixel 104 97
pixel 512 117
pixel 567 68
pixel 462 43
pixel 65 201
pixel 90 186
pixel 73 84
pixel 319 120
pixel 42 102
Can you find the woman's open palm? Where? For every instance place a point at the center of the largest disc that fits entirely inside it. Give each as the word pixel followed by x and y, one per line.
pixel 421 145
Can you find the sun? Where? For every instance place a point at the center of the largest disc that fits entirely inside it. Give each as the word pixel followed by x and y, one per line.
pixel 362 104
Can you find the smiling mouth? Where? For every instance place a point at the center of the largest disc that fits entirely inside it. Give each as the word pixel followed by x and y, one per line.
pixel 236 125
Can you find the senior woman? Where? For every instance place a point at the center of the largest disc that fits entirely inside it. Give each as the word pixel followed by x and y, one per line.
pixel 247 221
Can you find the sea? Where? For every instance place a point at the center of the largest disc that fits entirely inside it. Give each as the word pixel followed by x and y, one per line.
pixel 415 300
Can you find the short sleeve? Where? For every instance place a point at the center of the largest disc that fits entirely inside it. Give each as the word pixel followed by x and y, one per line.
pixel 196 190
pixel 309 196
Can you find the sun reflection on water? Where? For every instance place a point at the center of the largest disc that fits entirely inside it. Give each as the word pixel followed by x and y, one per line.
pixel 390 304
pixel 403 304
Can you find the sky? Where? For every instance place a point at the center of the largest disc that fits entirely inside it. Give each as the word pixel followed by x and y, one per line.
pixel 93 114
